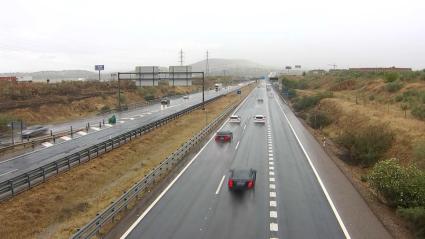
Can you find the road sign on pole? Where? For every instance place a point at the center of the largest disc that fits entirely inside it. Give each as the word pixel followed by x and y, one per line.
pixel 99 68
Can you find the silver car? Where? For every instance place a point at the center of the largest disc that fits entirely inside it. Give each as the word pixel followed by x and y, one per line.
pixel 34 130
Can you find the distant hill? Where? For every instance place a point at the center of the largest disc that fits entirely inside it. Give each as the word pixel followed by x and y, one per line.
pixel 55 75
pixel 239 67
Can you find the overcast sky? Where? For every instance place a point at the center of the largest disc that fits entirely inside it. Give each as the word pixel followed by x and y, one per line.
pixel 77 34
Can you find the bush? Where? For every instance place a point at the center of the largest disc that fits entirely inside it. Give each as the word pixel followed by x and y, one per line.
pixel 398 98
pixel 418 111
pixel 416 216
pixel 391 76
pixel 149 97
pixel 319 120
pixel 419 151
pixel 366 145
pixel 401 186
pixel 5 120
pixel 371 97
pixel 394 86
pixel 307 102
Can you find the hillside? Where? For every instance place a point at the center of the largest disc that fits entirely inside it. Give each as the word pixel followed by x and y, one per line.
pixel 238 67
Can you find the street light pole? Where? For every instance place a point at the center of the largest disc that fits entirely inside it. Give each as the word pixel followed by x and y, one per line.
pixel 119 93
pixel 203 91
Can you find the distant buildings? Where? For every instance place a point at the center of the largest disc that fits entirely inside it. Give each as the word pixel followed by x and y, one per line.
pixel 16 78
pixel 317 72
pixel 381 69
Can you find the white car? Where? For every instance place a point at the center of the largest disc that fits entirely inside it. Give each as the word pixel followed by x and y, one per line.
pixel 186 97
pixel 260 119
pixel 235 119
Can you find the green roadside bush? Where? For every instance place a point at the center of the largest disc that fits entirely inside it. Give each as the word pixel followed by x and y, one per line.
pixel 404 188
pixel 418 111
pixel 398 98
pixel 149 97
pixel 367 144
pixel 391 76
pixel 416 216
pixel 319 120
pixel 401 186
pixel 394 86
pixel 307 102
pixel 5 120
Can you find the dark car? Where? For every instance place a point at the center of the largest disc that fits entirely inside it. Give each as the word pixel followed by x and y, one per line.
pixel 224 136
pixel 165 101
pixel 33 131
pixel 242 179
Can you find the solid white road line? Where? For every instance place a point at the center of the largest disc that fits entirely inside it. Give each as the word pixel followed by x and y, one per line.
pixel 237 145
pixel 341 223
pixel 11 171
pixel 177 177
pixel 219 185
pixel 244 127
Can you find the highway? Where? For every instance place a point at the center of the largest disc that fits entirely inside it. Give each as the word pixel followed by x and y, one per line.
pixel 126 121
pixel 293 198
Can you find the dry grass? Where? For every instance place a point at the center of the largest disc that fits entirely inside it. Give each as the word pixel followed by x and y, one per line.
pixel 407 130
pixel 59 206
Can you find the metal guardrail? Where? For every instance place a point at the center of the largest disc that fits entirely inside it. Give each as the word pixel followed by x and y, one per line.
pixel 39 175
pixel 94 226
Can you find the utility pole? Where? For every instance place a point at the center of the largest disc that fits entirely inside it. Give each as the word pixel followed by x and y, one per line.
pixel 181 57
pixel 207 66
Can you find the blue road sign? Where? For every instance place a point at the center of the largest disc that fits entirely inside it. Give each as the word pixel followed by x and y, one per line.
pixel 99 67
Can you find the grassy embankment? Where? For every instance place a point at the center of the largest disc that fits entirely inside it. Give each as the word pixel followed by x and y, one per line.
pixel 40 103
pixel 378 120
pixel 56 208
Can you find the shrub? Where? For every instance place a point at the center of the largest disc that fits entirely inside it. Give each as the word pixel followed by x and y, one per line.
pixel 105 109
pixel 394 86
pixel 391 76
pixel 149 97
pixel 371 97
pixel 292 93
pixel 5 120
pixel 416 216
pixel 418 111
pixel 401 186
pixel 419 151
pixel 367 144
pixel 398 98
pixel 307 102
pixel 319 120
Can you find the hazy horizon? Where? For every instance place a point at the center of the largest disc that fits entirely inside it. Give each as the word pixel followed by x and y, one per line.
pixel 60 35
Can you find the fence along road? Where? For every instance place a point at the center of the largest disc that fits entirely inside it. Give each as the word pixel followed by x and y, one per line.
pixel 33 170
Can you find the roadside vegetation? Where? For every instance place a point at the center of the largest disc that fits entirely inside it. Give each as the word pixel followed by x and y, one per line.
pixel 56 208
pixel 40 103
pixel 377 122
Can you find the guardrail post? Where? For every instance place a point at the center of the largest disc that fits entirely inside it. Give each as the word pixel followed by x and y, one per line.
pixel 71 131
pixel 11 187
pixel 57 167
pixel 88 153
pixel 100 125
pixel 29 182
pixel 44 174
pixel 51 132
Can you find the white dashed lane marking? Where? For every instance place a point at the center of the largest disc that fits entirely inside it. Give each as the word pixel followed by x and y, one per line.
pixel 272 194
pixel 47 144
pixel 273 204
pixel 81 133
pixel 66 138
pixel 274 227
pixel 273 214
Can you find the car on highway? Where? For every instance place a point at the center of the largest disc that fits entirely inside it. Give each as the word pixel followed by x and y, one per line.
pixel 235 119
pixel 241 179
pixel 260 100
pixel 186 97
pixel 35 130
pixel 224 136
pixel 165 101
pixel 260 119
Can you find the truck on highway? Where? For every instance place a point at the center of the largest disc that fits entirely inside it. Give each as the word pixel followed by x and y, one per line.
pixel 218 86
